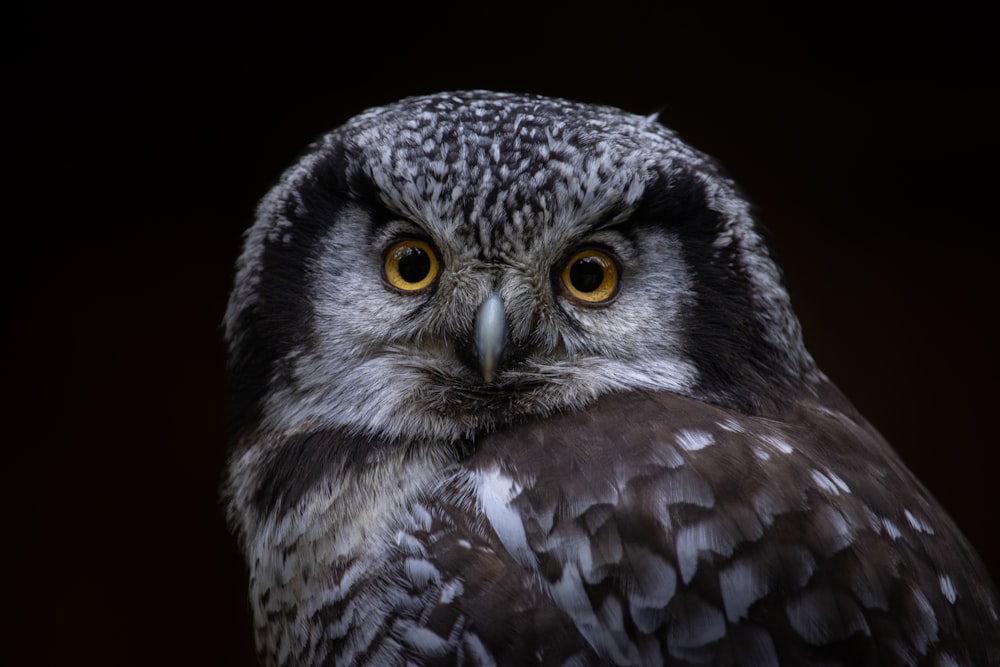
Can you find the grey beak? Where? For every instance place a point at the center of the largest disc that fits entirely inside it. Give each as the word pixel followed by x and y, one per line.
pixel 490 335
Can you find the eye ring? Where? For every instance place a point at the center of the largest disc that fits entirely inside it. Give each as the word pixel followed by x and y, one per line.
pixel 591 277
pixel 410 266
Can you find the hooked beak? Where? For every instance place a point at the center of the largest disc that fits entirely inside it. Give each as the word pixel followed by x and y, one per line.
pixel 490 335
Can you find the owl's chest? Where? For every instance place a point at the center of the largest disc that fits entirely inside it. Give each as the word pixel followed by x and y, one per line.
pixel 325 574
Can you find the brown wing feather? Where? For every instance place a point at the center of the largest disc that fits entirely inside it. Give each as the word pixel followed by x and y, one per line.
pixel 704 536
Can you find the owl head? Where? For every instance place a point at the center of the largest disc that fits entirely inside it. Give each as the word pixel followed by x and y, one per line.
pixel 449 263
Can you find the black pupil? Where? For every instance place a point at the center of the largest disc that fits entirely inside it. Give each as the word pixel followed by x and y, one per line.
pixel 587 274
pixel 414 264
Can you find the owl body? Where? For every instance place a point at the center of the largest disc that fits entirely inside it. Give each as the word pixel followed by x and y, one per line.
pixel 517 382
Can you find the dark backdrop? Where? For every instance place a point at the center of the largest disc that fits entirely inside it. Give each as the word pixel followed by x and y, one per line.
pixel 138 141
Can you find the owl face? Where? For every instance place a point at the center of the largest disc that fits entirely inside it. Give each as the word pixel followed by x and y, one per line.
pixel 447 264
pixel 518 383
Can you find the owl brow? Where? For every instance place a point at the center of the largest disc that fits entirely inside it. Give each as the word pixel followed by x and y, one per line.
pixel 363 190
pixel 617 214
pixel 382 213
pixel 381 210
pixel 666 201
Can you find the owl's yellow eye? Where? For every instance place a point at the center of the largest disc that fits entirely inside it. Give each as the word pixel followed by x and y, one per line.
pixel 591 277
pixel 410 265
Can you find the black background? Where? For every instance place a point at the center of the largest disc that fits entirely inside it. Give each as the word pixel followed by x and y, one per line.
pixel 138 141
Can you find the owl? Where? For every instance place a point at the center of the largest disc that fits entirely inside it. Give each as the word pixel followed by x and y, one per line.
pixel 516 381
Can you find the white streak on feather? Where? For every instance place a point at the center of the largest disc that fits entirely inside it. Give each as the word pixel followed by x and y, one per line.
pixel 917 523
pixel 571 596
pixel 924 631
pixel 421 573
pixel 451 590
pixel 841 484
pixel 948 588
pixel 777 443
pixel 824 482
pixel 703 536
pixel 891 529
pixel 495 491
pixel 692 440
pixel 731 425
pixel 741 584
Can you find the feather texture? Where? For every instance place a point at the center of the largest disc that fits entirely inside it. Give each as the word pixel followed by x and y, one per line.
pixel 654 473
